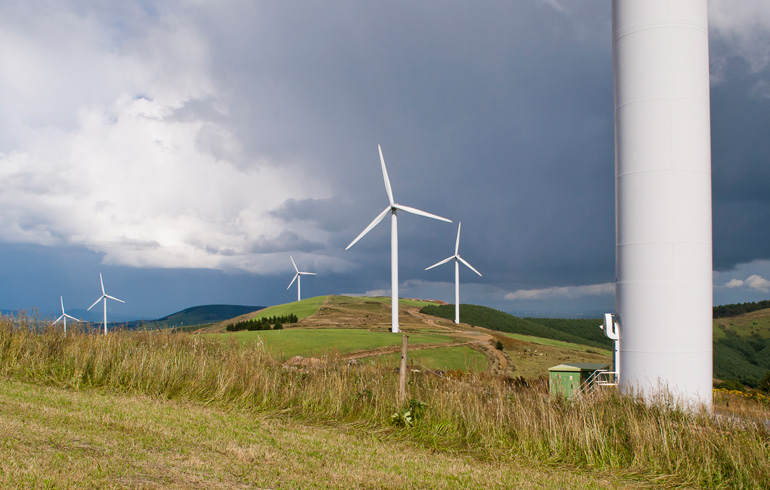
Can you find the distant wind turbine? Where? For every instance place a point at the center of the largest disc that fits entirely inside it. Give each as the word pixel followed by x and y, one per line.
pixel 104 298
pixel 458 259
pixel 298 276
pixel 64 316
pixel 392 208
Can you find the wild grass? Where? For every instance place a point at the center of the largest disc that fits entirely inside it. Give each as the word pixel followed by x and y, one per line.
pixel 477 414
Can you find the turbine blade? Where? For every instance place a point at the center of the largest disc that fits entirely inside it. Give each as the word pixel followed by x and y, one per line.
pixel 294 264
pixel 58 319
pixel 95 302
pixel 468 265
pixel 440 263
pixel 457 244
pixel 62 303
pixel 307 273
pixel 371 225
pixel 292 281
pixel 385 176
pixel 412 210
pixel 101 281
pixel 71 317
pixel 113 297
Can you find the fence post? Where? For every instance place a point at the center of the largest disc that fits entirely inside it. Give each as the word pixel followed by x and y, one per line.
pixel 402 373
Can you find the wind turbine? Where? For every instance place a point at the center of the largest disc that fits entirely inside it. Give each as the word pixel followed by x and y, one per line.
pixel 458 259
pixel 104 297
pixel 392 208
pixel 64 317
pixel 297 277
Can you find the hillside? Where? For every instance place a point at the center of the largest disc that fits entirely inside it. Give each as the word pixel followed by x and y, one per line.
pixel 586 332
pixel 742 346
pixel 358 328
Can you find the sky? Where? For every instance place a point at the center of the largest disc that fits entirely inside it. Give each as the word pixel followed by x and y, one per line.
pixel 185 149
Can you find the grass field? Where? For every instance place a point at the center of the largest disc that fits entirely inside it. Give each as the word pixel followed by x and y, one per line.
pixel 480 418
pixel 310 342
pixel 56 438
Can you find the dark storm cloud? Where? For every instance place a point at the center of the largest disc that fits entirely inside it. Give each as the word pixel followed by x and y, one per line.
pixel 740 149
pixel 285 241
pixel 329 214
pixel 497 114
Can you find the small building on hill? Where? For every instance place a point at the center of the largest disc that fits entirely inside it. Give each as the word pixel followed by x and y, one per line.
pixel 566 379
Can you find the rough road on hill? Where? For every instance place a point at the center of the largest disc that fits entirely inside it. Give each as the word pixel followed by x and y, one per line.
pixel 373 314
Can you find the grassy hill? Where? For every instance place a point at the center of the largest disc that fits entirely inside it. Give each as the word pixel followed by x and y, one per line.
pixel 359 328
pixel 742 346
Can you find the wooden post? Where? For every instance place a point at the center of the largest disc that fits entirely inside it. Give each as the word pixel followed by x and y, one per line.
pixel 402 373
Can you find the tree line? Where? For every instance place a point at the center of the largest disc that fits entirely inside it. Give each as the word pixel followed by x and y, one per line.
pixel 740 308
pixel 264 323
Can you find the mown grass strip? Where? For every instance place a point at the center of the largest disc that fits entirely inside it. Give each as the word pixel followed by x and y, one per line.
pixel 311 342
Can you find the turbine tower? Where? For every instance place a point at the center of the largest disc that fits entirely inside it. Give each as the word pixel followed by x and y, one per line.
pixel 457 259
pixel 104 298
pixel 64 317
pixel 392 208
pixel 298 276
pixel 663 289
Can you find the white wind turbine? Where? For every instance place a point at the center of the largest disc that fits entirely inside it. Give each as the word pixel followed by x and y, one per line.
pixel 392 208
pixel 104 298
pixel 64 317
pixel 298 277
pixel 457 259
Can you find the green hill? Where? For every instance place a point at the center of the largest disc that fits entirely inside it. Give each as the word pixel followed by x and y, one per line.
pixel 585 332
pixel 742 346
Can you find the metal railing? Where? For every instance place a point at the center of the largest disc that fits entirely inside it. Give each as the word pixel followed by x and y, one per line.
pixel 600 377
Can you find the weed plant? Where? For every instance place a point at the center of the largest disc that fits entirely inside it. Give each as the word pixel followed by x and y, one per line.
pixel 476 414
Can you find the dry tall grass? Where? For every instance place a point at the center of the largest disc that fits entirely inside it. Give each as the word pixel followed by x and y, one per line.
pixel 482 415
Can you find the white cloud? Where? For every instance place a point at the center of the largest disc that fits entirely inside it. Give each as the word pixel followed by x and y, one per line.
pixel 96 153
pixel 745 29
pixel 563 292
pixel 759 283
pixel 734 283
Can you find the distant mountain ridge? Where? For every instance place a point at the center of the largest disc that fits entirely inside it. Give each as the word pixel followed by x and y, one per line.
pixel 200 315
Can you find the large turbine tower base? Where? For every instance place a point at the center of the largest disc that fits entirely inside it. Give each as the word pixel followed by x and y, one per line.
pixel 663 198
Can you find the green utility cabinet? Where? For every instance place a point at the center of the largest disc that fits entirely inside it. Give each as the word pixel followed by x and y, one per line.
pixel 565 379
